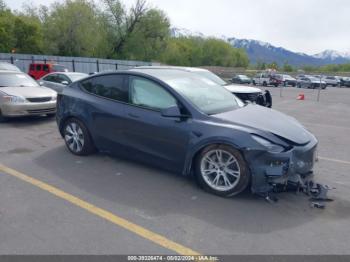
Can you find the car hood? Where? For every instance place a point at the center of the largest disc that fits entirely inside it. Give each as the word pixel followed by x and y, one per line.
pixel 242 89
pixel 28 92
pixel 267 120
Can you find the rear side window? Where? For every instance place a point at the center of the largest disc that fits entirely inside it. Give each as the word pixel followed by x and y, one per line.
pixel 38 67
pixel 62 78
pixel 107 86
pixel 50 78
pixel 46 68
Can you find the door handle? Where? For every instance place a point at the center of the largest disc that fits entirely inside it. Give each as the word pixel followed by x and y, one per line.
pixel 133 115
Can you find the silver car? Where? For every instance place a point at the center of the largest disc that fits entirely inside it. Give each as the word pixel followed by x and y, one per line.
pixel 311 82
pixel 58 81
pixel 20 95
pixel 331 81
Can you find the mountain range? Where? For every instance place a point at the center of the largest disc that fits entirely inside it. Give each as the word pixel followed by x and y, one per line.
pixel 268 53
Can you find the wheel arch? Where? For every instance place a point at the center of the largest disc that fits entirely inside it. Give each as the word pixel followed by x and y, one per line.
pixel 196 150
pixel 67 118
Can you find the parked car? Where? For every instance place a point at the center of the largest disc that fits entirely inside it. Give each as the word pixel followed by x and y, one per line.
pixel 245 93
pixel 331 81
pixel 266 79
pixel 345 81
pixel 58 81
pixel 241 79
pixel 182 122
pixel 20 95
pixel 311 82
pixel 38 70
pixel 9 67
pixel 287 80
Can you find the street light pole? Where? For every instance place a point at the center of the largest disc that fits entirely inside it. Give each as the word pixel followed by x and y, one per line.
pixel 319 89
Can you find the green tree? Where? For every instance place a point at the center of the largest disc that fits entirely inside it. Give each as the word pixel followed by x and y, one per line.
pixel 3 6
pixel 73 28
pixel 273 65
pixel 196 51
pixel 7 39
pixel 183 51
pixel 287 67
pixel 122 23
pixel 148 40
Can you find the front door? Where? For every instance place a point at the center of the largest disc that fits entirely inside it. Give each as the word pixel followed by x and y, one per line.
pixel 163 141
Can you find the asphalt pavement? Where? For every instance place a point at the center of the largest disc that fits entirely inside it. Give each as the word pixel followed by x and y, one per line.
pixel 145 203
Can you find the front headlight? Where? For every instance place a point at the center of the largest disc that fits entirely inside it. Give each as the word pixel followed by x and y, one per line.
pixel 54 98
pixel 14 99
pixel 271 147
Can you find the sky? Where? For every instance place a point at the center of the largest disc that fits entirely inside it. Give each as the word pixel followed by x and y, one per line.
pixel 308 26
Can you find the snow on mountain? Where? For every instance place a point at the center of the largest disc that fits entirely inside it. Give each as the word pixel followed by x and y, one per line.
pixel 259 51
pixel 183 32
pixel 332 55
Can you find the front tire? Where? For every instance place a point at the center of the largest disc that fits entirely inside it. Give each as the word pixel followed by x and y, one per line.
pixel 2 118
pixel 77 137
pixel 221 170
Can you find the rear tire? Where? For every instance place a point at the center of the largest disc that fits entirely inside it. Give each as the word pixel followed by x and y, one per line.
pixel 221 170
pixel 77 137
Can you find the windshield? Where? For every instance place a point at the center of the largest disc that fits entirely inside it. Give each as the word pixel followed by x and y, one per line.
pixel 211 76
pixel 243 77
pixel 59 68
pixel 209 97
pixel 16 79
pixel 76 77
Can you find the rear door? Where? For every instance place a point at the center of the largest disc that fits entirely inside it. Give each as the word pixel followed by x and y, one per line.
pixel 106 99
pixel 160 140
pixel 38 71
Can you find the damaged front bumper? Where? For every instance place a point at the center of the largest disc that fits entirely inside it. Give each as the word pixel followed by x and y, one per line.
pixel 293 169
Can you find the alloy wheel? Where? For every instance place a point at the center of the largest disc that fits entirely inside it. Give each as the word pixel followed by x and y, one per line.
pixel 220 170
pixel 74 137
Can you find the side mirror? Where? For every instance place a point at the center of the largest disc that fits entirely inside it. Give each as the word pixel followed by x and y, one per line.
pixel 41 83
pixel 173 111
pixel 65 83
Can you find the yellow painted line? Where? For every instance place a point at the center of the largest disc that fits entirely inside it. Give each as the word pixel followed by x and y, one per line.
pixel 335 160
pixel 138 230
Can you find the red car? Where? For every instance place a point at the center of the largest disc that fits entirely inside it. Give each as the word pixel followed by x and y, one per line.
pixel 38 70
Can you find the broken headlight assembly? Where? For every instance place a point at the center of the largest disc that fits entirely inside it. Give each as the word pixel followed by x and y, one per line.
pixel 271 147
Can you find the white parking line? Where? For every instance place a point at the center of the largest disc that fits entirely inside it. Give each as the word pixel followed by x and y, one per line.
pixel 335 160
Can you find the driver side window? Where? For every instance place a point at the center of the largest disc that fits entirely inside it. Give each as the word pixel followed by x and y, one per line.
pixel 62 78
pixel 146 93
